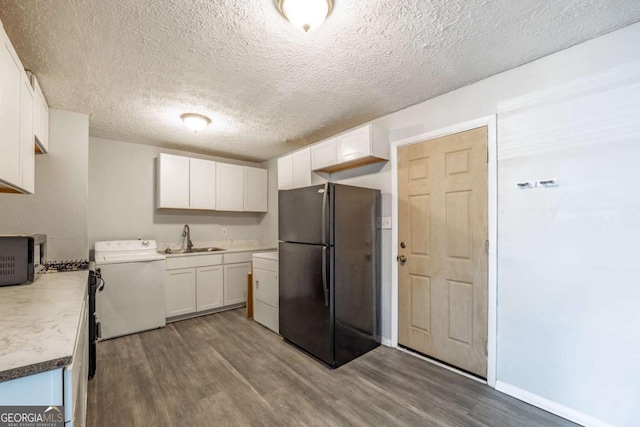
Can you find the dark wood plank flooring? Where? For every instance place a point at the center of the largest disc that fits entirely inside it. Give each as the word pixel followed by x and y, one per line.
pixel 224 369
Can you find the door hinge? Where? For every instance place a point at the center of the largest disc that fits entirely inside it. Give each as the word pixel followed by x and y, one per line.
pixel 486 348
pixel 486 246
pixel 487 155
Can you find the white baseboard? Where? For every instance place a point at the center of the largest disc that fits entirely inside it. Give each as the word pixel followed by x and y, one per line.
pixel 550 406
pixel 385 341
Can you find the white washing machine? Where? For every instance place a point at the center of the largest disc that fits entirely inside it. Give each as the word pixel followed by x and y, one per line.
pixel 265 290
pixel 133 296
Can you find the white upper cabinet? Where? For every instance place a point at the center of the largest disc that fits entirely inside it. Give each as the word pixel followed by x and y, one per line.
pixel 294 170
pixel 27 154
pixel 173 181
pixel 18 121
pixel 40 118
pixel 229 187
pixel 11 73
pixel 285 172
pixel 255 189
pixel 353 145
pixel 323 154
pixel 302 168
pixel 202 184
pixel 362 146
pixel 189 183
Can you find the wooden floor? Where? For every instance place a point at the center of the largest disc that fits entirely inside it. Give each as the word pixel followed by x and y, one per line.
pixel 223 369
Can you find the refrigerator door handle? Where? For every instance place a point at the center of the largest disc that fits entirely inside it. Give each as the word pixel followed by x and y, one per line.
pixel 324 213
pixel 325 288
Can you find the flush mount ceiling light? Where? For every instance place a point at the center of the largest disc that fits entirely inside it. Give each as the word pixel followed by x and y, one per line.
pixel 195 122
pixel 305 14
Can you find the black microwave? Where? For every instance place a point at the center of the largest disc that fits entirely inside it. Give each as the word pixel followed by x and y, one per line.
pixel 22 258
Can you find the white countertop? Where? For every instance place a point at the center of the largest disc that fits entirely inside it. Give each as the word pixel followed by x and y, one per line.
pixel 225 251
pixel 267 255
pixel 39 323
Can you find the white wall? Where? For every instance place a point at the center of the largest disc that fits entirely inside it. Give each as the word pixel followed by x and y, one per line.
pixel 567 254
pixel 59 206
pixel 478 100
pixel 122 182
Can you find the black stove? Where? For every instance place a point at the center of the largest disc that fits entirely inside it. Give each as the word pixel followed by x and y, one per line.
pixel 96 284
pixel 62 266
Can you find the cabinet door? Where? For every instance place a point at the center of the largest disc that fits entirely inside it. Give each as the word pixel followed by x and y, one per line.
pixel 354 145
pixel 302 168
pixel 180 292
pixel 285 172
pixel 209 287
pixel 229 187
pixel 265 286
pixel 173 181
pixel 202 184
pixel 41 118
pixel 27 155
pixel 255 189
pixel 235 283
pixel 10 87
pixel 323 154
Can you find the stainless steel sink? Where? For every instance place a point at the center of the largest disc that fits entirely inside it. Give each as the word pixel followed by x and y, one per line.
pixel 192 250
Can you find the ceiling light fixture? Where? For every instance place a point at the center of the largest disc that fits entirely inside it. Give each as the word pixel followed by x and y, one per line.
pixel 195 122
pixel 305 14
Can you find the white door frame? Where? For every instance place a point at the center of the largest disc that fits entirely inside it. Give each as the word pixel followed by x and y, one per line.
pixel 490 122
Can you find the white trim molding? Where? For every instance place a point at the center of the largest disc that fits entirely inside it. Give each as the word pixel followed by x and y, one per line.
pixel 550 406
pixel 490 122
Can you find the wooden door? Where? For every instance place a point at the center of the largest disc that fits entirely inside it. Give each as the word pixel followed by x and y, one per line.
pixel 442 208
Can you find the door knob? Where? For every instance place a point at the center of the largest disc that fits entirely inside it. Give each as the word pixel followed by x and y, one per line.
pixel 402 259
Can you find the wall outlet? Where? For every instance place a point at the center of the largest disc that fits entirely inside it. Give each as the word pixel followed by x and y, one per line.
pixel 386 223
pixel 223 231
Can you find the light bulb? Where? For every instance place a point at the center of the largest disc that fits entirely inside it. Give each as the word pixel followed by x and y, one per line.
pixel 306 15
pixel 195 122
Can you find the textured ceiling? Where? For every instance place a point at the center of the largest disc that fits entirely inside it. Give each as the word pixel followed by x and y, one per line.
pixel 136 65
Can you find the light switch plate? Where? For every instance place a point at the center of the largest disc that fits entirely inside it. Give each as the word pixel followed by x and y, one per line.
pixel 386 223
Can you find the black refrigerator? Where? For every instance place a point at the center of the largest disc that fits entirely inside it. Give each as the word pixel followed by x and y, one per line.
pixel 329 274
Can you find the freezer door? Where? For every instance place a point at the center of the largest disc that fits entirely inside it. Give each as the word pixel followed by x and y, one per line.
pixel 305 298
pixel 304 215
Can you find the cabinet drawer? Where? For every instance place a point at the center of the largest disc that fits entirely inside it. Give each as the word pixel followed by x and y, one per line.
pixel 174 263
pixel 265 264
pixel 233 258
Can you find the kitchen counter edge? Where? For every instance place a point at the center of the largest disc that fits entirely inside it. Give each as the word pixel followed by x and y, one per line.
pixel 64 310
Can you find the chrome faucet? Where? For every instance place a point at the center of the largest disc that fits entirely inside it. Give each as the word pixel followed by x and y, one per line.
pixel 186 232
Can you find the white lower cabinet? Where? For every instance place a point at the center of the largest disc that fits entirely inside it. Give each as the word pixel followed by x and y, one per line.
pixel 235 282
pixel 180 291
pixel 209 287
pixel 201 283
